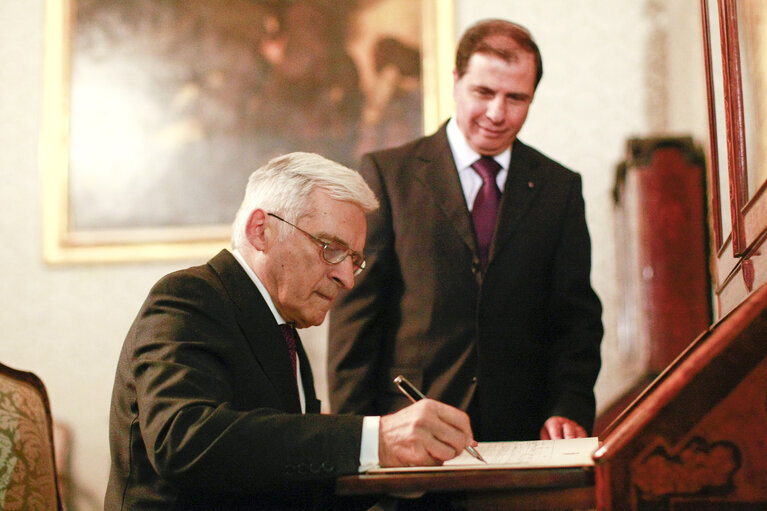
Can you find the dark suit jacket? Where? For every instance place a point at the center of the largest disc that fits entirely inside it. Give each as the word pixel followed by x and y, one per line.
pixel 205 412
pixel 524 335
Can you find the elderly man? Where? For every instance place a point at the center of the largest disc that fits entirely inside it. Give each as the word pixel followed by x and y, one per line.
pixel 213 404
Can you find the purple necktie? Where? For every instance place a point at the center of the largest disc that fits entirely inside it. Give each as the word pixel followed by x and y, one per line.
pixel 290 339
pixel 485 208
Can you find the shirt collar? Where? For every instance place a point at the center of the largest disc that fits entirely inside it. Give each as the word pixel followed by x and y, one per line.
pixel 261 288
pixel 463 155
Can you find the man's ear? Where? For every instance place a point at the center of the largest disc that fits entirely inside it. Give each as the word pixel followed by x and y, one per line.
pixel 255 229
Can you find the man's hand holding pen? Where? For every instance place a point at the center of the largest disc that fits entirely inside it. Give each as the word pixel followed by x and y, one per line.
pixel 425 433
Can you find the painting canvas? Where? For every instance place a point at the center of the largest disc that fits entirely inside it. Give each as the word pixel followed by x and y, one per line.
pixel 165 108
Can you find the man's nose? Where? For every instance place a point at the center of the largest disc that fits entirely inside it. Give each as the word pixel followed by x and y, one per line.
pixel 343 273
pixel 496 110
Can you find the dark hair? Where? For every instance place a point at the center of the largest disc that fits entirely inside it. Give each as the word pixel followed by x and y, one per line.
pixel 500 38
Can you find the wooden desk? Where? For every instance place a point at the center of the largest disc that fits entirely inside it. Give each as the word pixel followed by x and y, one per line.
pixel 517 489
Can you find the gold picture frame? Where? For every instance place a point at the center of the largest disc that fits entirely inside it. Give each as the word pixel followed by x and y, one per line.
pixel 107 196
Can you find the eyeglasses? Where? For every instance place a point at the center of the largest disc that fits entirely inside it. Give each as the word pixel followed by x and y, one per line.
pixel 333 252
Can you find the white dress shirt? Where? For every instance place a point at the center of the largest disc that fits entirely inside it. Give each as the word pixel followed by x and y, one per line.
pixel 464 156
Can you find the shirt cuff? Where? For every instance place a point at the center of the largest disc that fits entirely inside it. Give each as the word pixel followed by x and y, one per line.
pixel 369 443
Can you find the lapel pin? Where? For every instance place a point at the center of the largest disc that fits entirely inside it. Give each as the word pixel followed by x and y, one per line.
pixel 530 184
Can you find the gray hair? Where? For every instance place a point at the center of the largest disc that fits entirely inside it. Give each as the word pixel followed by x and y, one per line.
pixel 284 184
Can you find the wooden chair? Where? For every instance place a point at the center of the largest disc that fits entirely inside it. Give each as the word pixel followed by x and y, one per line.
pixel 27 467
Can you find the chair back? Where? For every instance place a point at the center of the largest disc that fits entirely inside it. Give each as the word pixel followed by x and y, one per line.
pixel 27 466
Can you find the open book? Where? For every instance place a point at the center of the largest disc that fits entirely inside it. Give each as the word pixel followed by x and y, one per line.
pixel 575 452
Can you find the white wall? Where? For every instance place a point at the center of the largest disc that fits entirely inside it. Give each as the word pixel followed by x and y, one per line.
pixel 601 85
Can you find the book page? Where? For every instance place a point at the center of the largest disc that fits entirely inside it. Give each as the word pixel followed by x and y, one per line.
pixel 575 452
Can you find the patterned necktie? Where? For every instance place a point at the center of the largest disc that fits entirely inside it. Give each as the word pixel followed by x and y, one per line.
pixel 485 208
pixel 289 333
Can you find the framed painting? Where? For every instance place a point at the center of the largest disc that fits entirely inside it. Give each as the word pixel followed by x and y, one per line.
pixel 750 28
pixel 717 147
pixel 156 113
pixel 735 42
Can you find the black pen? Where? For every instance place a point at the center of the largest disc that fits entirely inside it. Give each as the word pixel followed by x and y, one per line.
pixel 414 395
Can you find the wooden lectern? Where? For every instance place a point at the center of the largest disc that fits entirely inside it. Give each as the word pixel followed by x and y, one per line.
pixel 696 439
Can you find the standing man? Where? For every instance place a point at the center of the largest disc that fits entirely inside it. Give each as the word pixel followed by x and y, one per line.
pixel 213 405
pixel 478 283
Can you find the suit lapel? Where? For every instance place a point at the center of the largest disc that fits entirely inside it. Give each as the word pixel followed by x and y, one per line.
pixel 261 330
pixel 524 182
pixel 437 173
